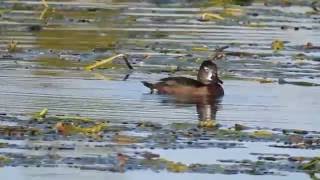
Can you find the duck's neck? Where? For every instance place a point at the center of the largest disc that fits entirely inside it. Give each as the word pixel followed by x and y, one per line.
pixel 214 80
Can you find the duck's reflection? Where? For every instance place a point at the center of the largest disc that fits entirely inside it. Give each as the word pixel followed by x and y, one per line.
pixel 206 108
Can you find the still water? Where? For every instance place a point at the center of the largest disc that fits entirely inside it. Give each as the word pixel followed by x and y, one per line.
pixel 54 44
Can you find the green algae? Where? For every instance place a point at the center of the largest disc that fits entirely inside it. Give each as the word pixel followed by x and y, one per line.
pixel 47 73
pixel 77 40
pixel 58 63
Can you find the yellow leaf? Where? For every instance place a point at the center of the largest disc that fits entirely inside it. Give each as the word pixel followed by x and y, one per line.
pixel 12 46
pixel 209 123
pixel 42 114
pixel 200 49
pixel 102 62
pixel 94 129
pixel 256 24
pixel 176 167
pixel 277 45
pixel 69 128
pixel 262 134
pixel 233 11
pixel 123 139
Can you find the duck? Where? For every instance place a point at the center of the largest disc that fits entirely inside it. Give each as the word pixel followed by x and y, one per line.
pixel 207 84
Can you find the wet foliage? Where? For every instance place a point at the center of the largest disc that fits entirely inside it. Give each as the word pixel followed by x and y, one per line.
pixel 135 152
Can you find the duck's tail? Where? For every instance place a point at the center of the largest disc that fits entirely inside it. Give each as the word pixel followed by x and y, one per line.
pixel 148 85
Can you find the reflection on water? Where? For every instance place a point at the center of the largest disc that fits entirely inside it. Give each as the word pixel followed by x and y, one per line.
pixel 81 93
pixel 206 106
pixel 74 174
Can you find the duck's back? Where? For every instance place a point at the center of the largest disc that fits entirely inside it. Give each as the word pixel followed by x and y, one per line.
pixel 182 86
pixel 181 81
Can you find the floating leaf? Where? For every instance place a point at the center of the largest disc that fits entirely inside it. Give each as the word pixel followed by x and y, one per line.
pixel 176 167
pixel 12 46
pixel 262 134
pixel 256 24
pixel 209 123
pixel 69 128
pixel 41 115
pixel 123 139
pixel 233 11
pixel 277 45
pixel 204 48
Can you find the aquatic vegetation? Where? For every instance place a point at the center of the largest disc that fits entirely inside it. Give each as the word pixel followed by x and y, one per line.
pixel 46 13
pixel 172 136
pixel 41 115
pixel 262 134
pixel 176 167
pixel 204 48
pixel 19 131
pixel 208 123
pixel 3 11
pixel 233 12
pixel 297 83
pixel 266 80
pixel 69 128
pixel 123 139
pixel 277 45
pixel 4 160
pixel 12 46
pixel 58 62
pixel 313 165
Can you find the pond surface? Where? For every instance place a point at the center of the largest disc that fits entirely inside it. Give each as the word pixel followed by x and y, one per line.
pixel 161 38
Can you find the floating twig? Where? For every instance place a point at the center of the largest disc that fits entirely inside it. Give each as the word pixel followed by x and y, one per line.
pixel 102 62
pixel 125 57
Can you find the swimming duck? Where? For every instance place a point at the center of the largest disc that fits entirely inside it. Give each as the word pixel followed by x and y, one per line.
pixel 207 83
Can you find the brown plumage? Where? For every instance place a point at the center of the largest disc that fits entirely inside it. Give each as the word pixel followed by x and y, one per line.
pixel 207 83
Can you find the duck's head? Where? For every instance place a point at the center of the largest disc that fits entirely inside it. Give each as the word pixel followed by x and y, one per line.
pixel 208 73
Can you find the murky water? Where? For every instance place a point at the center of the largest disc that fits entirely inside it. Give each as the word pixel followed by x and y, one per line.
pixel 54 45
